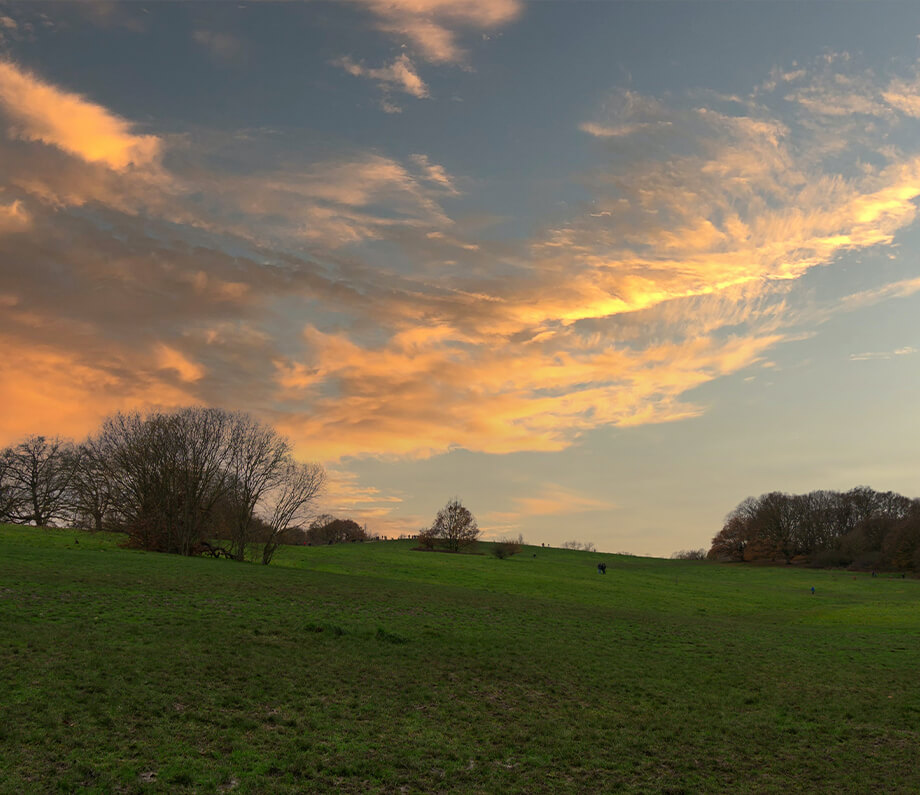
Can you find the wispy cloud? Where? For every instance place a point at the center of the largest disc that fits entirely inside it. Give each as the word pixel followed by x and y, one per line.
pixel 338 202
pixel 39 111
pixel 899 289
pixel 400 75
pixel 621 130
pixel 555 500
pixel 861 357
pixel 433 26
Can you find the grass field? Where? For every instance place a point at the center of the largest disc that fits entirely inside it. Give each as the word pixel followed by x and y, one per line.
pixel 373 668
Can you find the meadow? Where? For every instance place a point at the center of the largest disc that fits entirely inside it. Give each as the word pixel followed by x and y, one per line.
pixel 375 668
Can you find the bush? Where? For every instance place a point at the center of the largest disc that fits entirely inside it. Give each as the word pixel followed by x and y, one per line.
pixel 829 558
pixel 689 554
pixel 506 547
pixel 427 538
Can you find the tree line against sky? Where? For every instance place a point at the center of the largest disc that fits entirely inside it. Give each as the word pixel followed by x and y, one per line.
pixel 170 481
pixel 862 528
pixel 177 481
pixel 192 481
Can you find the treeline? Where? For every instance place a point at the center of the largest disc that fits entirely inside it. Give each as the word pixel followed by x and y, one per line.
pixel 329 529
pixel 861 528
pixel 197 480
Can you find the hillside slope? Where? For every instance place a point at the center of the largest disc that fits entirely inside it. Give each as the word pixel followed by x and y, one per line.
pixel 374 668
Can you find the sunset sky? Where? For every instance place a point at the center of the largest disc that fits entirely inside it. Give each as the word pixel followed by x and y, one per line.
pixel 600 269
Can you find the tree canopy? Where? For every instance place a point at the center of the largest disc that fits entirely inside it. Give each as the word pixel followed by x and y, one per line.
pixel 454 527
pixel 860 527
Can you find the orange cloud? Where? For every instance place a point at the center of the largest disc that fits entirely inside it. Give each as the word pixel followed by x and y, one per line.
pixel 39 111
pixel 431 25
pixel 400 74
pixel 50 391
pixel 429 395
pixel 168 358
pixel 554 500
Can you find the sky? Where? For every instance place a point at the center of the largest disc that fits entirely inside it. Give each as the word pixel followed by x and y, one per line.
pixel 601 270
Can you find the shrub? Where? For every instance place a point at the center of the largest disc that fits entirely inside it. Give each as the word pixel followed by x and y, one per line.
pixel 427 538
pixel 506 547
pixel 829 558
pixel 689 554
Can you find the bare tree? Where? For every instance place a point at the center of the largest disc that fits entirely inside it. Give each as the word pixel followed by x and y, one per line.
pixel 167 472
pixel 90 489
pixel 455 526
pixel 172 480
pixel 128 447
pixel 257 459
pixel 7 493
pixel 290 500
pixel 38 472
pixel 200 469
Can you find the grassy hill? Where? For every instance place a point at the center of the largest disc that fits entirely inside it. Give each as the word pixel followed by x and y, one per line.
pixel 366 668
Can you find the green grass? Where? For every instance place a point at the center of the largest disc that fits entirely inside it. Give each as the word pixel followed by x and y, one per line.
pixel 373 668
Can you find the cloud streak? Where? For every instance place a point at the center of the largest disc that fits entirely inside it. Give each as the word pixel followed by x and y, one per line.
pixel 39 111
pixel 862 357
pixel 400 75
pixel 433 26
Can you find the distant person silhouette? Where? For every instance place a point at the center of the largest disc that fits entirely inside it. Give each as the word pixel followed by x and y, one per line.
pixel 812 590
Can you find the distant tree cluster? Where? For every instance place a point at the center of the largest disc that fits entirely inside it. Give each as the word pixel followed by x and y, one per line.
pixel 586 546
pixel 174 482
pixel 453 529
pixel 328 529
pixel 862 528
pixel 689 554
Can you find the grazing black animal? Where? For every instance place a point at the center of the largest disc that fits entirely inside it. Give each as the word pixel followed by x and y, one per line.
pixel 601 568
